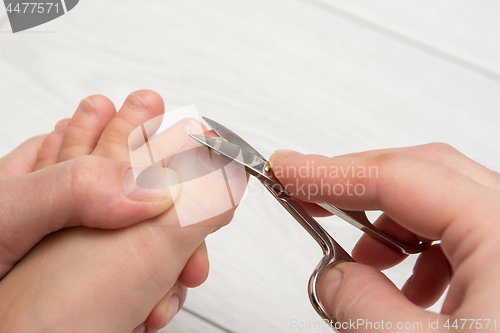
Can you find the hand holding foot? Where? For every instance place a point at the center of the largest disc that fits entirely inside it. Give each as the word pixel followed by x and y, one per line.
pixel 110 280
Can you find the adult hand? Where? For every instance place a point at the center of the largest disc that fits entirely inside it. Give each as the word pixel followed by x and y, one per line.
pixel 138 274
pixel 430 192
pixel 35 204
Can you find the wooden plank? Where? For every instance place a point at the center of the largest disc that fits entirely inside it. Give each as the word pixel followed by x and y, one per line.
pixel 459 31
pixel 187 322
pixel 283 74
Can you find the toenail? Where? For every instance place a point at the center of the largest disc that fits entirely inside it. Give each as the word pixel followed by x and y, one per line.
pixel 58 127
pixel 136 102
pixel 140 329
pixel 193 128
pixel 173 307
pixel 86 106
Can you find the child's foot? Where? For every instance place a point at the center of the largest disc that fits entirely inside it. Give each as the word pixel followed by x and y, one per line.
pixel 109 280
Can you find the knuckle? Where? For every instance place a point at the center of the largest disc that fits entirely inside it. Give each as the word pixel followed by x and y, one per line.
pixel 119 132
pixel 495 174
pixel 388 165
pixel 388 160
pixel 115 136
pixel 83 173
pixel 75 128
pixel 443 148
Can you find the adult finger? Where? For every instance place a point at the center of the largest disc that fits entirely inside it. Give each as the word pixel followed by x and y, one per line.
pixel 423 197
pixel 445 155
pixel 362 299
pixel 21 160
pixel 371 252
pixel 431 276
pixel 167 308
pixel 196 270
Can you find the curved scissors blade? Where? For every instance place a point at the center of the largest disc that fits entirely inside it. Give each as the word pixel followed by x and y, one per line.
pixel 246 160
pixel 232 137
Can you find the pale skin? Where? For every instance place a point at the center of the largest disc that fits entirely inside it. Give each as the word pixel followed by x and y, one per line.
pixel 84 279
pixel 90 279
pixel 429 192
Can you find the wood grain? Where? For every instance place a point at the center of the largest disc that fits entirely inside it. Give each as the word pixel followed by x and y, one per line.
pixel 283 74
pixel 458 31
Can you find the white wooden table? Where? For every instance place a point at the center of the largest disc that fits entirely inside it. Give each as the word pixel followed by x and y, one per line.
pixel 318 76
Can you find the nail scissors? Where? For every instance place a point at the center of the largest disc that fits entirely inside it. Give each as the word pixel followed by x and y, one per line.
pixel 234 149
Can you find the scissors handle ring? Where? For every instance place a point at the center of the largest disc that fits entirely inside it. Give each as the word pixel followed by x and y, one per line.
pixel 333 253
pixel 328 261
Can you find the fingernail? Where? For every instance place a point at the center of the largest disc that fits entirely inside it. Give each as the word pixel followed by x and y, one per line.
pixel 329 284
pixel 136 102
pixel 193 127
pixel 86 106
pixel 150 183
pixel 334 277
pixel 173 307
pixel 140 329
pixel 282 153
pixel 58 127
pixel 285 153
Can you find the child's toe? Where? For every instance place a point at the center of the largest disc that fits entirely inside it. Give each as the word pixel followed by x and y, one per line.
pixel 139 107
pixel 86 126
pixel 49 151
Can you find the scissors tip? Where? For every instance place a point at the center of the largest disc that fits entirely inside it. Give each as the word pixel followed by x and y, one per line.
pixel 212 123
pixel 210 142
pixel 199 138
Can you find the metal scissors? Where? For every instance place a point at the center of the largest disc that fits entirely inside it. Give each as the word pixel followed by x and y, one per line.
pixel 233 148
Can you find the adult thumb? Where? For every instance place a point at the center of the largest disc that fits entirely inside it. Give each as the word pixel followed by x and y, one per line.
pixel 86 191
pixel 362 299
